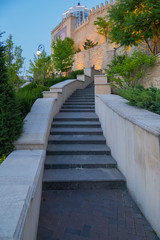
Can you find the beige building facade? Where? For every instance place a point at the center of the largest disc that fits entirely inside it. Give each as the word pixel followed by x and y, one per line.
pixel 79 32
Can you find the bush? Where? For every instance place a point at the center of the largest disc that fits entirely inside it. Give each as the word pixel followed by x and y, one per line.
pixel 10 117
pixel 72 75
pixel 26 97
pixel 148 98
pixel 129 69
pixel 50 82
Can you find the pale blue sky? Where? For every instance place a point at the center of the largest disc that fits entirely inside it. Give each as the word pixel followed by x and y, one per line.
pixel 30 22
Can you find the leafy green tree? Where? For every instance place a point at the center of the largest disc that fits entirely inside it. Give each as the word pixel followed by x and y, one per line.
pixel 41 67
pixel 63 51
pixel 14 60
pixel 10 118
pixel 102 26
pixel 135 22
pixel 89 44
pixel 129 69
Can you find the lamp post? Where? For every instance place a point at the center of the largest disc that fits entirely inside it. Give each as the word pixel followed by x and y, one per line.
pixel 40 49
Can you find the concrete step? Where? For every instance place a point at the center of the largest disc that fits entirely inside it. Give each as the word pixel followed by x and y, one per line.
pixel 85 124
pixel 76 131
pixel 76 116
pixel 58 179
pixel 81 98
pixel 82 95
pixel 78 106
pixel 74 139
pixel 77 110
pixel 78 149
pixel 79 103
pixel 79 161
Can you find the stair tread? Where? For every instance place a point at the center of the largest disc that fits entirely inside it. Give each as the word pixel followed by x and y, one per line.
pixel 82 174
pixel 71 123
pixel 79 159
pixel 77 147
pixel 76 129
pixel 83 138
pixel 75 115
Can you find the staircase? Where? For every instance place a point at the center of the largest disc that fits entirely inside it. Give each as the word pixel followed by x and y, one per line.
pixel 77 154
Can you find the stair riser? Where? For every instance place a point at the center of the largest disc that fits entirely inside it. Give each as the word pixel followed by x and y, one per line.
pixel 77 110
pixel 89 152
pixel 76 142
pixel 76 125
pixel 76 119
pixel 78 107
pixel 76 133
pixel 80 104
pixel 68 166
pixel 86 185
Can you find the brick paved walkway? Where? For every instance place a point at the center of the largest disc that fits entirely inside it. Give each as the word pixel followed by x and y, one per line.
pixel 91 214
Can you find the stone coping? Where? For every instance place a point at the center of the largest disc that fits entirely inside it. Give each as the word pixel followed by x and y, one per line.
pixel 19 177
pixel 36 125
pixel 145 119
pixel 63 84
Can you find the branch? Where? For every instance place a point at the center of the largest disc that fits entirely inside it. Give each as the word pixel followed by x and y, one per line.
pixel 149 47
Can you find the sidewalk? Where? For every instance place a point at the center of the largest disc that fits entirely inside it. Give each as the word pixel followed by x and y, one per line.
pixel 91 214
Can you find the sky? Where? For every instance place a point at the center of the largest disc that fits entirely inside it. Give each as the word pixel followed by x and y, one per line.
pixel 30 22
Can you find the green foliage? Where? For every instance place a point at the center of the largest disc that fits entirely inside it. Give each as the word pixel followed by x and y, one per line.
pixel 103 26
pixel 89 44
pixel 41 67
pixel 49 82
pixel 63 51
pixel 129 69
pixel 148 99
pixel 74 74
pixel 77 50
pixel 14 61
pixel 26 97
pixel 2 158
pixel 135 22
pixel 10 117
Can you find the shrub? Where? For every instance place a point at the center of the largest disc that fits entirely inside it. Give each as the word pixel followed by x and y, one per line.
pixel 74 74
pixel 129 69
pixel 10 117
pixel 50 82
pixel 89 44
pixel 148 98
pixel 2 158
pixel 26 97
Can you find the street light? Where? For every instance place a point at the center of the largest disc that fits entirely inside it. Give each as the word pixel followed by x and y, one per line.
pixel 40 49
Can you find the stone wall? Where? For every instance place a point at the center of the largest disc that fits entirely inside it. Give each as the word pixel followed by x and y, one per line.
pixel 152 77
pixel 87 29
pixel 100 56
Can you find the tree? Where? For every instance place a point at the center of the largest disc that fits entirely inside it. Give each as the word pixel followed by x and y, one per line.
pixel 41 67
pixel 129 69
pixel 14 60
pixel 10 118
pixel 63 51
pixel 135 22
pixel 103 26
pixel 89 44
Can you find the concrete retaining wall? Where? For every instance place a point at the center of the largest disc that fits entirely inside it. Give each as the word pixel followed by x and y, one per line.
pixel 133 135
pixel 22 171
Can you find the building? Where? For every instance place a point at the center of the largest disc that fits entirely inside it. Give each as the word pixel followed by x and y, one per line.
pixel 80 27
pixel 81 12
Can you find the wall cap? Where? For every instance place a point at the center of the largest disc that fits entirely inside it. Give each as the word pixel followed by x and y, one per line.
pixel 145 119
